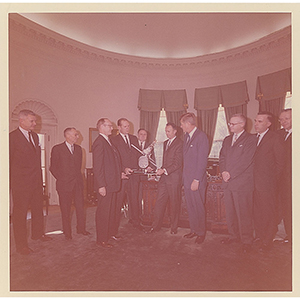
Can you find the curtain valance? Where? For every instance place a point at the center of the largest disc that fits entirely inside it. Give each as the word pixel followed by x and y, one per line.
pixel 155 100
pixel 229 95
pixel 273 85
pixel 150 100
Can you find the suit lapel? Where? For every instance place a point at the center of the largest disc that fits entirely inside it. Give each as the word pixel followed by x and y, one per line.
pixel 24 140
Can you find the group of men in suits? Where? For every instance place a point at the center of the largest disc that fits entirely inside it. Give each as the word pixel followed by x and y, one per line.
pixel 115 160
pixel 256 172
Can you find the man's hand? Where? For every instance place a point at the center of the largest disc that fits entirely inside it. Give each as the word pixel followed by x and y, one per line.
pixel 123 176
pixel 102 191
pixel 128 171
pixel 159 172
pixel 225 176
pixel 195 185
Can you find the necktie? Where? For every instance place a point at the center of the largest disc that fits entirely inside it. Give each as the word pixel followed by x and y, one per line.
pixel 72 148
pixel 30 139
pixel 235 136
pixel 258 139
pixel 188 139
pixel 127 140
pixel 142 145
pixel 168 144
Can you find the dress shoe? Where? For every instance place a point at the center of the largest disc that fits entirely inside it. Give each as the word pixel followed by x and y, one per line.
pixel 150 230
pixel 246 248
pixel 199 239
pixel 43 238
pixel 174 231
pixel 116 237
pixel 228 241
pixel 25 251
pixel 190 235
pixel 256 240
pixel 84 232
pixel 104 245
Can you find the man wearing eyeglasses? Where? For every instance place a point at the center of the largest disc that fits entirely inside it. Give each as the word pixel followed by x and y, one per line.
pixel 107 176
pixel 236 167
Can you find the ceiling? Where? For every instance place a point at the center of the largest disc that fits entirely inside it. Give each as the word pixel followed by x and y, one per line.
pixel 163 35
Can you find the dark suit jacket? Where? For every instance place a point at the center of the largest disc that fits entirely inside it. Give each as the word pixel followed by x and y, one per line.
pixel 238 161
pixel 195 155
pixel 106 165
pixel 172 161
pixel 129 156
pixel 287 153
pixel 268 162
pixel 66 167
pixel 25 162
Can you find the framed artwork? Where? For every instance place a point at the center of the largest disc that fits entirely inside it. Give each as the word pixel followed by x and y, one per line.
pixel 93 134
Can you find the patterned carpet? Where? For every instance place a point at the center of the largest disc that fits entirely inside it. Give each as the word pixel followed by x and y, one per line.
pixel 143 262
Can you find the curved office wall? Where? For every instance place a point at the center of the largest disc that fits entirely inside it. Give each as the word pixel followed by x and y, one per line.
pixel 81 83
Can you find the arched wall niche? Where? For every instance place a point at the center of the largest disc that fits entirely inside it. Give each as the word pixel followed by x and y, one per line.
pixel 44 114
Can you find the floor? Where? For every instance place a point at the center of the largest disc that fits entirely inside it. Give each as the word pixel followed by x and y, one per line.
pixel 143 262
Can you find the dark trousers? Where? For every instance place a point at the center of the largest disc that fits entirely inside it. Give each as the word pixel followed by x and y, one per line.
pixel 195 202
pixel 129 193
pixel 65 201
pixel 238 206
pixel 167 193
pixel 22 200
pixel 105 220
pixel 286 208
pixel 264 215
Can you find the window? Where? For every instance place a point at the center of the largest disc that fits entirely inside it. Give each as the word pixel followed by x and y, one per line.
pixel 221 132
pixel 43 157
pixel 160 138
pixel 288 100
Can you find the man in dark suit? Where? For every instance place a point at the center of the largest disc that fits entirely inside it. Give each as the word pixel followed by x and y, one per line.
pixel 169 186
pixel 268 168
pixel 285 134
pixel 236 167
pixel 26 181
pixel 129 162
pixel 143 143
pixel 195 153
pixel 107 176
pixel 65 166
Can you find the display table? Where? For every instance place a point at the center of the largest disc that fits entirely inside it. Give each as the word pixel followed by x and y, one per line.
pixel 215 207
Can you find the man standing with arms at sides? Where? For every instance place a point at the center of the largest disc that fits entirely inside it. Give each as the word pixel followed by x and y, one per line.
pixel 285 134
pixel 107 176
pixel 129 162
pixel 195 153
pixel 169 186
pixel 268 171
pixel 65 166
pixel 26 181
pixel 236 167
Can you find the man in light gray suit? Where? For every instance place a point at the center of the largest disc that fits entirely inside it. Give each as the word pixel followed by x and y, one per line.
pixel 195 153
